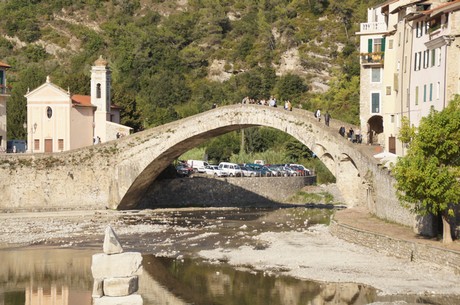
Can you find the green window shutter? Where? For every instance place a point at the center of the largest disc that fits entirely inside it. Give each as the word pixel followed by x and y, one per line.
pixel 383 44
pixel 369 45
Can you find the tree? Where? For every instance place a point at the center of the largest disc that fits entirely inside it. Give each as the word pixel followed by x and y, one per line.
pixel 428 177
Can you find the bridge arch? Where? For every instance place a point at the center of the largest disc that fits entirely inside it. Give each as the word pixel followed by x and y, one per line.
pixel 156 148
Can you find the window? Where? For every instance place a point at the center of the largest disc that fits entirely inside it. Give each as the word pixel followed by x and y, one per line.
pixel 61 144
pixel 375 101
pixel 418 29
pixel 424 93
pixel 416 95
pixel 378 45
pixel 375 77
pixel 418 61
pixel 426 55
pixel 375 45
pixel 49 112
pixel 439 57
pixel 431 92
pixel 392 118
pixel 98 91
pixel 433 57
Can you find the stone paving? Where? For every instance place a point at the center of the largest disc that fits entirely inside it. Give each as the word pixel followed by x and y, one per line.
pixel 361 219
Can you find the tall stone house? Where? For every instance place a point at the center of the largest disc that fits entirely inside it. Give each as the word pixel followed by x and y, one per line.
pixel 409 65
pixel 4 94
pixel 60 121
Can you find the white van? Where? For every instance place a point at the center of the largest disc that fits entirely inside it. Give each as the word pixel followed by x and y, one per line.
pixel 198 165
pixel 232 169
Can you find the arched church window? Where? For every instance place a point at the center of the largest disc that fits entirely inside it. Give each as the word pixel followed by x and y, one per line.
pixel 98 91
pixel 49 112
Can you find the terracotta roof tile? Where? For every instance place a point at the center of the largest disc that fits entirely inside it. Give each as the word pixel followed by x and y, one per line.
pixel 82 100
pixel 3 65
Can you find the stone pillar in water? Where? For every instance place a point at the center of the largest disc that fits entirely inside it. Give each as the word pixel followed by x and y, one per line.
pixel 116 274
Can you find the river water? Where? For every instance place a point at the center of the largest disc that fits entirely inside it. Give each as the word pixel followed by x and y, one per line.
pixel 52 274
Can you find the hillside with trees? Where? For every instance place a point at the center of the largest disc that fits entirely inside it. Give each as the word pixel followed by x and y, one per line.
pixel 172 59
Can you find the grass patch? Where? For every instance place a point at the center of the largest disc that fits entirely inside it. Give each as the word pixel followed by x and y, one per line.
pixel 317 198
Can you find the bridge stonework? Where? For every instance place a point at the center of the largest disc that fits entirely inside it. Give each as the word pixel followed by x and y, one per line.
pixel 117 174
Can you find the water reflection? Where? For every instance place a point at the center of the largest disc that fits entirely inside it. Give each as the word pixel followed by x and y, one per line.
pixel 63 277
pixel 192 282
pixel 45 277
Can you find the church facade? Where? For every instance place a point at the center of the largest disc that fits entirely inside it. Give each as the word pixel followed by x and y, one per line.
pixel 58 120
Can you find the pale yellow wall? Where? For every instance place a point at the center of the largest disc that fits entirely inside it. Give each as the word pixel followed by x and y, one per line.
pixel 81 127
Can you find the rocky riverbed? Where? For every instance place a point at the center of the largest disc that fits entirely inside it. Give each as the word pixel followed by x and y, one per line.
pixel 279 241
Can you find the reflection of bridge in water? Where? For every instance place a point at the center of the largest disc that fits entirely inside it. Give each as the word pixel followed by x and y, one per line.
pixel 118 174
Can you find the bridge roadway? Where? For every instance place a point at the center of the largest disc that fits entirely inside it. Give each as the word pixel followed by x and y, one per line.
pixel 117 174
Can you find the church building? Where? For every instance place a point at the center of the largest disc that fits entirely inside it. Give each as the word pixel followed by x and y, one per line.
pixel 60 121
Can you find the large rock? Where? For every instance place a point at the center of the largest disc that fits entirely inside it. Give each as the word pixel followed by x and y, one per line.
pixel 133 299
pixel 97 288
pixel 116 265
pixel 111 243
pixel 121 286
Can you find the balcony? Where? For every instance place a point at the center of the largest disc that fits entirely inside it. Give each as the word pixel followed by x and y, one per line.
pixel 372 59
pixel 373 27
pixel 5 90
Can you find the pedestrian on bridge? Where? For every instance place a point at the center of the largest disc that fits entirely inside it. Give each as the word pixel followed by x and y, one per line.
pixel 318 115
pixel 327 118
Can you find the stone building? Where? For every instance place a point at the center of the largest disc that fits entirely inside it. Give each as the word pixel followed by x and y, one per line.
pixel 4 93
pixel 60 121
pixel 409 65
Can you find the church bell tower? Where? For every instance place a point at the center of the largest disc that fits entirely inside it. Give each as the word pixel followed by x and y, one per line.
pixel 100 97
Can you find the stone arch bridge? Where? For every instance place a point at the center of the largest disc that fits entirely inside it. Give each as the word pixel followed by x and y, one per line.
pixel 117 174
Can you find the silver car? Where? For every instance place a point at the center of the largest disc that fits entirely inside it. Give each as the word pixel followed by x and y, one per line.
pixel 214 171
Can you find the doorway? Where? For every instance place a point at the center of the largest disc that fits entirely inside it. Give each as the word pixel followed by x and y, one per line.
pixel 48 145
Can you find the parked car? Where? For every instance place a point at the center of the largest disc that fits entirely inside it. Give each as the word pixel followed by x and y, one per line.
pixel 183 170
pixel 302 170
pixel 214 171
pixel 197 165
pixel 232 169
pixel 249 172
pixel 290 171
pixel 265 172
pixel 16 146
pixel 282 171
pixel 274 171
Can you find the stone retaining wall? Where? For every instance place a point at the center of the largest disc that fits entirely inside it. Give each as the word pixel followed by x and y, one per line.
pixel 396 247
pixel 236 191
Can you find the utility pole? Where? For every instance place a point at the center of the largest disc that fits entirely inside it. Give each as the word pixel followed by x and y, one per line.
pixel 242 141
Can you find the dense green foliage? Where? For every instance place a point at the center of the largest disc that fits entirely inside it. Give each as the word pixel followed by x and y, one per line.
pixel 161 54
pixel 428 177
